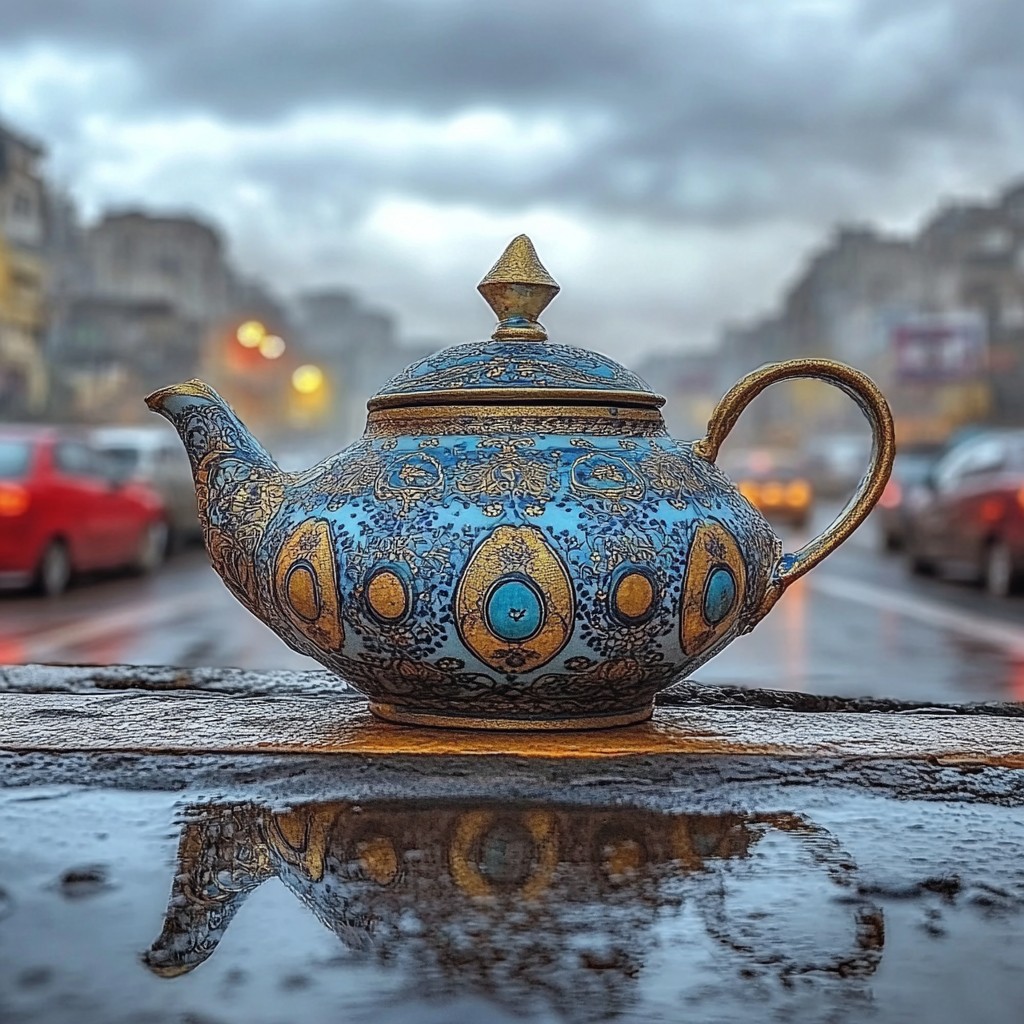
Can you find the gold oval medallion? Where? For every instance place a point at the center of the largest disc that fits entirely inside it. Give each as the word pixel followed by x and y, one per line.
pixel 306 584
pixel 388 596
pixel 633 597
pixel 514 603
pixel 714 588
pixel 303 592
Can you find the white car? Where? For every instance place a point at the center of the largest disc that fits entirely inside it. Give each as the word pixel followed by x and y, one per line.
pixel 155 456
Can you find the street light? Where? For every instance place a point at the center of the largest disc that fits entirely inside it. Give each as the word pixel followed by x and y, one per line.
pixel 307 379
pixel 272 346
pixel 250 334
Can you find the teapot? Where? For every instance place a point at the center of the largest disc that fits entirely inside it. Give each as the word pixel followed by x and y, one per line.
pixel 515 542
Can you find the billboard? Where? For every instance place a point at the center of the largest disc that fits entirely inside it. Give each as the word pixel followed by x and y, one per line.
pixel 937 347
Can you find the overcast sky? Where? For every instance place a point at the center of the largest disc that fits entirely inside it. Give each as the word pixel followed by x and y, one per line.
pixel 673 161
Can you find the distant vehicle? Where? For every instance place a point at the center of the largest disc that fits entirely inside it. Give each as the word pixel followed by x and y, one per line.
pixel 971 520
pixel 65 509
pixel 153 455
pixel 774 483
pixel 837 462
pixel 906 490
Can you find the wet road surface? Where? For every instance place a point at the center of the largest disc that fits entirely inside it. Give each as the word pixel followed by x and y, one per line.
pixel 198 897
pixel 858 625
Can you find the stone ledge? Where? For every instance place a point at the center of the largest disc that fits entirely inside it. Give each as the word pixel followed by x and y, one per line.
pixel 191 722
pixel 320 682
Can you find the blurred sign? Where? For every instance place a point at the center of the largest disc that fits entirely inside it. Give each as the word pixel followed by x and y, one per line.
pixel 939 347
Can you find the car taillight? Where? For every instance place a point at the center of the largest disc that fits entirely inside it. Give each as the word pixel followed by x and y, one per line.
pixel 991 510
pixel 13 500
pixel 891 496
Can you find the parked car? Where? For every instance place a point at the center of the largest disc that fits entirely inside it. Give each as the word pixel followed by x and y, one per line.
pixel 972 518
pixel 65 509
pixel 906 491
pixel 775 483
pixel 154 456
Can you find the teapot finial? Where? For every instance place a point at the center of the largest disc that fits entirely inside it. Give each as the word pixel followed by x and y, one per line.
pixel 518 289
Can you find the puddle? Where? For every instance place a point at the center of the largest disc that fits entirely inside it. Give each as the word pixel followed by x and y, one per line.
pixel 153 907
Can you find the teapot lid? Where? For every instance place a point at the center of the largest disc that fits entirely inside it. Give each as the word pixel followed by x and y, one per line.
pixel 518 364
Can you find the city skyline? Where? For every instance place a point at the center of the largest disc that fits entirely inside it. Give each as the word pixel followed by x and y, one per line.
pixel 675 169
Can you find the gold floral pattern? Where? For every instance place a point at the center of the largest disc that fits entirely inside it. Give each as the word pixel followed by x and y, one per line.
pixel 511 470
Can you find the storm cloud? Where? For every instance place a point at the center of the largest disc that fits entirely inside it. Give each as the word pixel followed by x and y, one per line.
pixel 674 161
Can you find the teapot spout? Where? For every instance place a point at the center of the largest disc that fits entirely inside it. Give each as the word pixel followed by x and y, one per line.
pixel 207 425
pixel 239 487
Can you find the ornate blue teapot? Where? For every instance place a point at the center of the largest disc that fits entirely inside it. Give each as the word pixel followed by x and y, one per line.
pixel 515 542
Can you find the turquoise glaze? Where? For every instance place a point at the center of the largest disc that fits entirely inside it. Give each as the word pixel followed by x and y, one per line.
pixel 515 541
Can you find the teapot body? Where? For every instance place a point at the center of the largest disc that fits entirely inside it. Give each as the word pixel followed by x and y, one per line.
pixel 517 575
pixel 515 542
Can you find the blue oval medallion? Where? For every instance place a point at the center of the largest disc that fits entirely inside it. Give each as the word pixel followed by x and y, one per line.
pixel 719 595
pixel 514 609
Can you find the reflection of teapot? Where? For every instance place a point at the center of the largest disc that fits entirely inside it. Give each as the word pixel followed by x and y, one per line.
pixel 506 900
pixel 515 541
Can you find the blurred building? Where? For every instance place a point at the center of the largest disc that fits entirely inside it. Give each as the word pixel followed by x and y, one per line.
pixel 116 350
pixel 690 382
pixel 23 373
pixel 356 346
pixel 140 297
pixel 936 318
pixel 974 260
pixel 180 260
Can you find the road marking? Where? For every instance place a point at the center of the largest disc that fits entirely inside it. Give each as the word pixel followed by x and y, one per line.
pixel 48 643
pixel 929 613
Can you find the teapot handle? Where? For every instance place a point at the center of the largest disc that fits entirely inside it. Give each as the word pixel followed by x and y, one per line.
pixel 865 393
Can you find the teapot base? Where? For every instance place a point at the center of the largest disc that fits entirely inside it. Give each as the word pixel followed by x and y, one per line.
pixel 408 716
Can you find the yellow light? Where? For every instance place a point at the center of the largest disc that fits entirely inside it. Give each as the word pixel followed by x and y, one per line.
pixel 272 347
pixel 307 379
pixel 771 494
pixel 798 493
pixel 251 333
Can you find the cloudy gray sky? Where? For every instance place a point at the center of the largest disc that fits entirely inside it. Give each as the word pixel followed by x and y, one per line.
pixel 674 161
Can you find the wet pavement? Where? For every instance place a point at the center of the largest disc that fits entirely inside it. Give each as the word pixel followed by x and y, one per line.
pixel 858 625
pixel 721 890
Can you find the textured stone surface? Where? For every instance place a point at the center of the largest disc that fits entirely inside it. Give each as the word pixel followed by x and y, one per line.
pixel 234 713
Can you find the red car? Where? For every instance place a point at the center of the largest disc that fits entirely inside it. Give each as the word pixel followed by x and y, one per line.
pixel 63 510
pixel 970 519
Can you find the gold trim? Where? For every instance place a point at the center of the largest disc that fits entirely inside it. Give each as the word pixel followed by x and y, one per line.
pixel 309 546
pixel 438 412
pixel 403 716
pixel 863 390
pixel 531 396
pixel 193 388
pixel 516 419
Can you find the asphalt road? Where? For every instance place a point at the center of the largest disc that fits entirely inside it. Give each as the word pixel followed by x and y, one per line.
pixel 858 625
